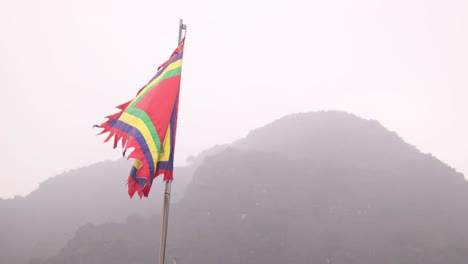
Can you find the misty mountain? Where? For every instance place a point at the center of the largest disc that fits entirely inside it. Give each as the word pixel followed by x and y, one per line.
pixel 38 225
pixel 325 187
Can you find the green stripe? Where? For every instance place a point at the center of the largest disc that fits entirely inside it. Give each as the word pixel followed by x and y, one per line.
pixel 142 114
pixel 147 121
pixel 166 75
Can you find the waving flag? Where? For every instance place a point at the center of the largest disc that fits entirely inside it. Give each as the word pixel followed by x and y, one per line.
pixel 147 125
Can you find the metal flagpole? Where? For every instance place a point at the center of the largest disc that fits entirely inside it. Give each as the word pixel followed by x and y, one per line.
pixel 167 191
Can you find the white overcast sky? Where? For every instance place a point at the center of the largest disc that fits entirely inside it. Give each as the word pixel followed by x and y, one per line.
pixel 64 65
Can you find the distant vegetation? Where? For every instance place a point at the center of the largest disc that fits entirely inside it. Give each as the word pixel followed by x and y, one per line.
pixel 40 224
pixel 325 187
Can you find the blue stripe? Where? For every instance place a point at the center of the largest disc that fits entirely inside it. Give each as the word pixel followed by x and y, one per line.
pixel 169 165
pixel 136 134
pixel 180 56
pixel 140 181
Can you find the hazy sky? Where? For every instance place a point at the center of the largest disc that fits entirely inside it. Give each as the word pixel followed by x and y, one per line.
pixel 65 64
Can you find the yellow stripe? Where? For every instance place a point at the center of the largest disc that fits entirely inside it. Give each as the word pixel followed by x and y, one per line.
pixel 140 125
pixel 167 146
pixel 137 164
pixel 174 65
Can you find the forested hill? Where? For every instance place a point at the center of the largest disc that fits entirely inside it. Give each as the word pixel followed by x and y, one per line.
pixel 324 187
pixel 39 225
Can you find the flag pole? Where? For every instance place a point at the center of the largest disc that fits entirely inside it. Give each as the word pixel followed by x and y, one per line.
pixel 167 191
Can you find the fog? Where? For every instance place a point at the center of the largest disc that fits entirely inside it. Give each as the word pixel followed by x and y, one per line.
pixel 339 189
pixel 66 64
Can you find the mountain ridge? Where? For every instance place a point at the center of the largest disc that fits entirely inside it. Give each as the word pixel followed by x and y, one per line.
pixel 93 194
pixel 324 187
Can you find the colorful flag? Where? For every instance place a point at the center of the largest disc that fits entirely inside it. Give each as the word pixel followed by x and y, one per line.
pixel 147 125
